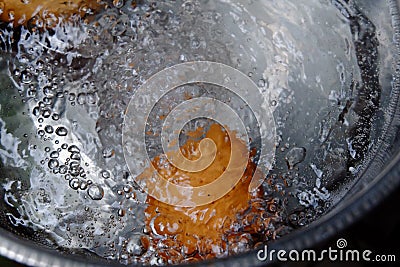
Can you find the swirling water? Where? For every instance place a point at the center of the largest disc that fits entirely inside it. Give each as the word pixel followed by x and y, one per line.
pixel 65 91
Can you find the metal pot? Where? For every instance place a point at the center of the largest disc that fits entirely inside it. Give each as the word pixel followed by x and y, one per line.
pixel 326 79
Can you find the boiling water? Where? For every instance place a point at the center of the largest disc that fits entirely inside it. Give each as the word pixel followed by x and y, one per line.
pixel 64 93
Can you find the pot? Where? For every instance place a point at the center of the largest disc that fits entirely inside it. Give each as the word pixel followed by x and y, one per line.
pixel 304 94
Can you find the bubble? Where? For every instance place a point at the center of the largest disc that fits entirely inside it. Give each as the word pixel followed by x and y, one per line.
pixel 302 221
pixel 108 152
pixel 293 218
pixel 105 174
pixel 127 188
pixel 46 113
pixel 55 117
pixel 61 131
pixel 54 155
pixel 73 149
pixel 39 64
pixel 26 77
pixel 48 101
pixel 83 186
pixel 64 146
pixel 49 129
pixel 118 3
pixel 48 91
pixel 91 98
pixel 134 246
pixel 95 192
pixel 74 168
pixel 261 83
pixel 74 183
pixel 63 169
pixel 182 58
pixel 81 99
pixel 121 212
pixel 53 163
pixel 75 156
pixel 17 72
pixel 71 97
pixel 31 91
pixel 195 43
pixel 60 95
pixel 36 111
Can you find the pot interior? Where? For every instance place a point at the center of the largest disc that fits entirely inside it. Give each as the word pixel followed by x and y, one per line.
pixel 324 109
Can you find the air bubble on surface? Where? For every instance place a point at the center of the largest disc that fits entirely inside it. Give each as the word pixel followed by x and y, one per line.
pixel 95 192
pixel 61 131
